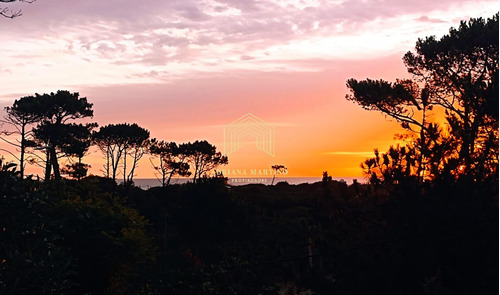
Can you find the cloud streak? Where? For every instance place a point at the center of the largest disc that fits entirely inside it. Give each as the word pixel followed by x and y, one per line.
pixel 344 153
pixel 196 37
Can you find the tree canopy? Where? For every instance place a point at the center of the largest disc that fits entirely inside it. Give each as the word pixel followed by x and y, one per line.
pixel 457 74
pixel 204 158
pixel 117 142
pixel 172 159
pixel 55 133
pixel 46 122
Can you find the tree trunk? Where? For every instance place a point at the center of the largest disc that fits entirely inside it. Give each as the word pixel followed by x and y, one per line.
pixel 125 167
pixel 114 165
pixel 170 176
pixel 107 161
pixel 78 175
pixel 21 158
pixel 55 163
pixel 421 167
pixel 163 172
pixel 47 165
pixel 134 165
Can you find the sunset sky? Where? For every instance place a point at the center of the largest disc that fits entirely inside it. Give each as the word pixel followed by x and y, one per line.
pixel 185 69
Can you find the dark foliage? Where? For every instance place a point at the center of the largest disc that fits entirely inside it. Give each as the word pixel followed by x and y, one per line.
pixel 456 75
pixel 326 237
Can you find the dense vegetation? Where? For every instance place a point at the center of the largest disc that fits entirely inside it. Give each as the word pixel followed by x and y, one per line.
pixel 92 236
pixel 427 223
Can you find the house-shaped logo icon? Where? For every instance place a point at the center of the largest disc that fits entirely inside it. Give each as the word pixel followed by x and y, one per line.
pixel 249 125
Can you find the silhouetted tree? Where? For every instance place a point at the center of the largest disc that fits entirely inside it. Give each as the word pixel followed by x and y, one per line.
pixel 79 139
pixel 172 159
pixel 204 158
pixel 23 113
pixel 55 134
pixel 398 164
pixel 277 169
pixel 459 73
pixel 400 100
pixel 326 178
pixel 136 145
pixel 119 141
pixel 404 101
pixel 109 139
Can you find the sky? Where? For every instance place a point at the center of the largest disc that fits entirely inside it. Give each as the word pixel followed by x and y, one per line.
pixel 188 70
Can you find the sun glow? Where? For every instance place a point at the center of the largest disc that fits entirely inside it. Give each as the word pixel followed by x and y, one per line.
pixel 181 69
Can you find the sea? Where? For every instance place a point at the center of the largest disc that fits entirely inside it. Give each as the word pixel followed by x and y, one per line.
pixel 146 183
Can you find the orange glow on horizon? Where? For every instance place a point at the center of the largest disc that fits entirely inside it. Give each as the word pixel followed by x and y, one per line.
pixel 315 128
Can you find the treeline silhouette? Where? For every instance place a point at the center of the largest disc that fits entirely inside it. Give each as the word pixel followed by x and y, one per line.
pixel 426 223
pixel 47 123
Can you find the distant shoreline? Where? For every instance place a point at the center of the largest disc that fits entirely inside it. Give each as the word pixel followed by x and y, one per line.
pixel 153 182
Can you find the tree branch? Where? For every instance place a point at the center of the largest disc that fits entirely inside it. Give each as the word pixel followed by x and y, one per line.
pixel 8 13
